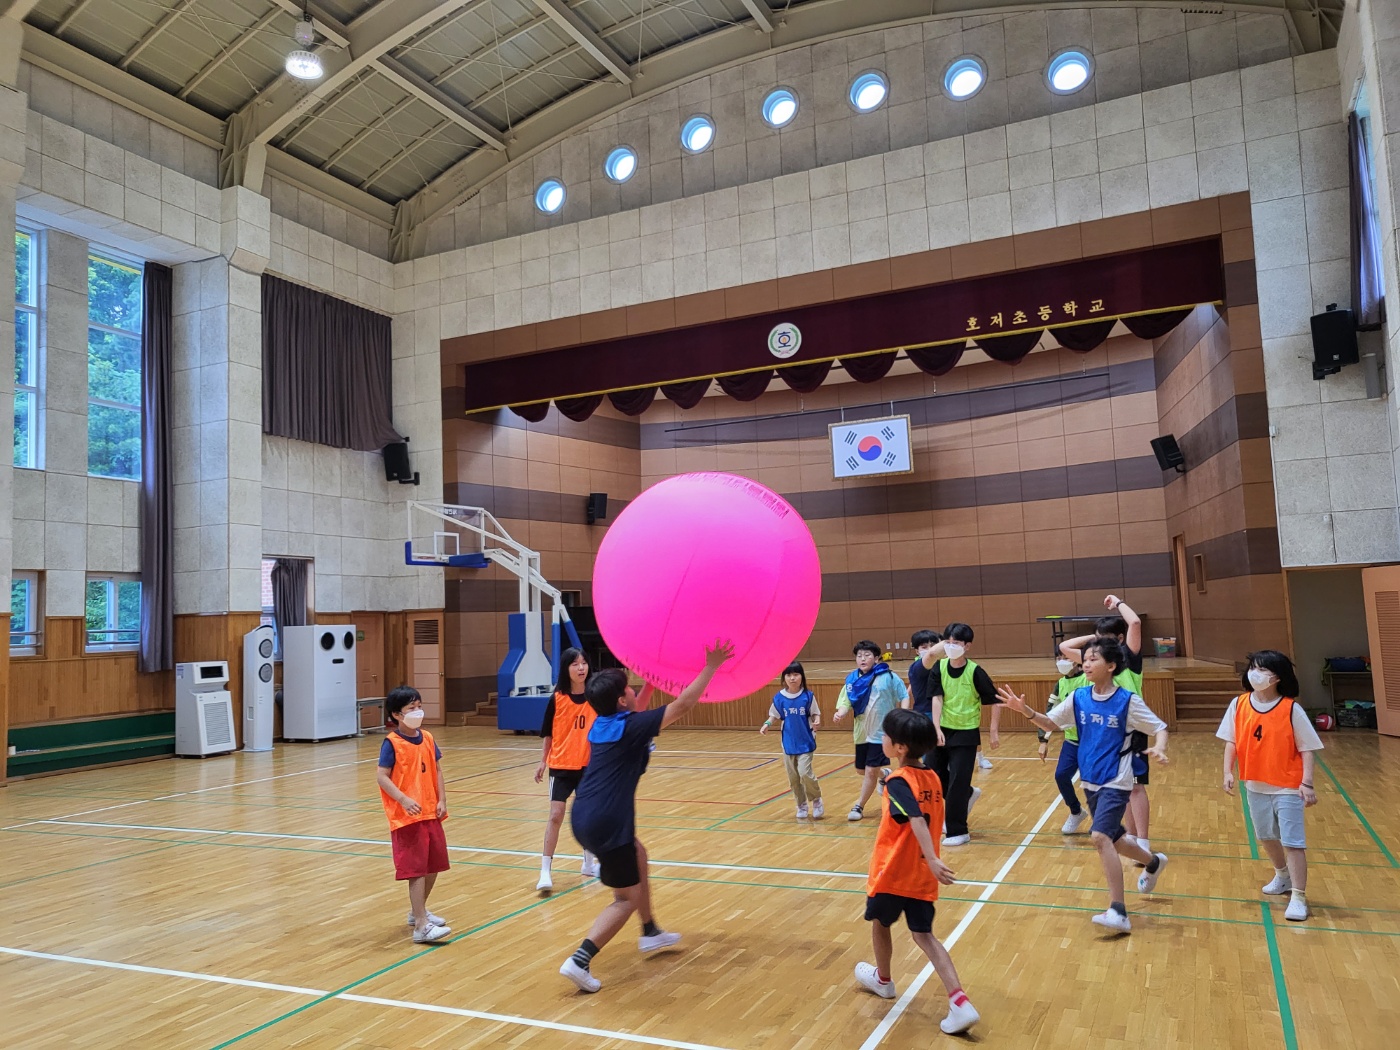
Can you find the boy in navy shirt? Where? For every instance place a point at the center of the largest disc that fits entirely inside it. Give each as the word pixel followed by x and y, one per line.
pixel 795 708
pixel 605 808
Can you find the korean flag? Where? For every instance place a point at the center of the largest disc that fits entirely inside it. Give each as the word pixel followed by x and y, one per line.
pixel 871 447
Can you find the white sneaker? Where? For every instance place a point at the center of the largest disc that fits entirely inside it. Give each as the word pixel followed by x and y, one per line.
pixel 1113 921
pixel 869 977
pixel 1147 881
pixel 431 932
pixel 546 884
pixel 960 1018
pixel 585 981
pixel 1279 885
pixel 855 814
pixel 1297 910
pixel 818 810
pixel 802 811
pixel 976 794
pixel 957 840
pixel 664 939
pixel 433 920
pixel 983 762
pixel 1074 823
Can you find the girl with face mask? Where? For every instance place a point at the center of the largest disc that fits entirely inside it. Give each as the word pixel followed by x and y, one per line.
pixel 1269 734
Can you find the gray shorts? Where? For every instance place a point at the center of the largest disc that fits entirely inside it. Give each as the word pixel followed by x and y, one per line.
pixel 1278 817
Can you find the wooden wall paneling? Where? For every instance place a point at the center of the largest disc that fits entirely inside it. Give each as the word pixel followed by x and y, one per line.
pixel 426 670
pixel 217 637
pixel 4 699
pixel 369 654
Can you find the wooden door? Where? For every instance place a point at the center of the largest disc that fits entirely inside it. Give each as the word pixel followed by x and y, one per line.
pixel 1381 586
pixel 425 664
pixel 369 654
pixel 1184 644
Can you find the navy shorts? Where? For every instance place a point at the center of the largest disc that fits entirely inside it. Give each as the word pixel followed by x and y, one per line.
pixel 870 755
pixel 1107 806
pixel 886 908
pixel 618 868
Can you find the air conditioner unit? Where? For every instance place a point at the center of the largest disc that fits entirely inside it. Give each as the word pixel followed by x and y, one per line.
pixel 318 682
pixel 257 689
pixel 203 710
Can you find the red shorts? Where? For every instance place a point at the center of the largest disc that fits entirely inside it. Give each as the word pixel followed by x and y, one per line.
pixel 420 849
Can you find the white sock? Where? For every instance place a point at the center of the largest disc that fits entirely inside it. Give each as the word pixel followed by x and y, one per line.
pixel 1282 873
pixel 546 863
pixel 1300 895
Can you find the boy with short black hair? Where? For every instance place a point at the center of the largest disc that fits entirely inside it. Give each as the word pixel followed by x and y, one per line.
pixel 415 801
pixel 929 647
pixel 605 807
pixel 905 868
pixel 1105 713
pixel 960 689
pixel 872 691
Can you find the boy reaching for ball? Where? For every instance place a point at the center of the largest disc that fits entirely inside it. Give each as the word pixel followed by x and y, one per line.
pixel 905 869
pixel 604 815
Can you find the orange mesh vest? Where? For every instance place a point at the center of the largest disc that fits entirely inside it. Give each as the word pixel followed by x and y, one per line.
pixel 415 773
pixel 568 747
pixel 897 864
pixel 1265 746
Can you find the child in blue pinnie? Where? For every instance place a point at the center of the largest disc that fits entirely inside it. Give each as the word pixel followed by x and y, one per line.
pixel 795 708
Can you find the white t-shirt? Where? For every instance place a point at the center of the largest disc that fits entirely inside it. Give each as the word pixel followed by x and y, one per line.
pixel 1140 717
pixel 1305 737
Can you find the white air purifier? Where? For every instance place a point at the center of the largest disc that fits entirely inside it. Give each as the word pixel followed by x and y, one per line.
pixel 258 689
pixel 203 710
pixel 318 682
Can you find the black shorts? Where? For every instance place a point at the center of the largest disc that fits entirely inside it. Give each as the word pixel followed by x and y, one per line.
pixel 886 908
pixel 563 783
pixel 618 869
pixel 870 755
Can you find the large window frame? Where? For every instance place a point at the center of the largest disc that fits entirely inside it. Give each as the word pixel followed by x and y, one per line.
pixel 29 383
pixel 111 637
pixel 26 614
pixel 103 409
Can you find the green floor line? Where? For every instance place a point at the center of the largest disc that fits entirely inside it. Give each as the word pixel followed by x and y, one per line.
pixel 95 864
pixel 391 967
pixel 1357 810
pixel 1285 1006
pixel 775 798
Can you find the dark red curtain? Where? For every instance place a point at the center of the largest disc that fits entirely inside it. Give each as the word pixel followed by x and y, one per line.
pixel 870 368
pixel 1008 349
pixel 578 408
pixel 805 378
pixel 1081 338
pixel 532 413
pixel 686 395
pixel 748 386
pixel 633 402
pixel 937 360
pixel 1154 326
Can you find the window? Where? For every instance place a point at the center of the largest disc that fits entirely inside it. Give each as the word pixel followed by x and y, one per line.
pixel 113 610
pixel 549 198
pixel 779 107
pixel 1069 71
pixel 697 134
pixel 964 78
pixel 27 404
pixel 26 635
pixel 114 367
pixel 869 90
pixel 621 164
pixel 267 618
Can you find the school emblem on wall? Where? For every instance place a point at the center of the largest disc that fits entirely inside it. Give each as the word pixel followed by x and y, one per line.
pixel 784 340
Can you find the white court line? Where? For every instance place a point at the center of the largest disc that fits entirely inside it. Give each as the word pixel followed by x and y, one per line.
pixel 883 1028
pixel 677 751
pixel 316 993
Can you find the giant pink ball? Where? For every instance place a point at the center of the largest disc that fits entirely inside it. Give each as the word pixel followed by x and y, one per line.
pixel 700 557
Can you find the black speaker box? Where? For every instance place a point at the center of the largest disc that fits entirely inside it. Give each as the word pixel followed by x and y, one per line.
pixel 396 466
pixel 597 507
pixel 1334 339
pixel 1168 453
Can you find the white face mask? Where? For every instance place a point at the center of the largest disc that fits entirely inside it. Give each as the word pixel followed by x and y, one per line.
pixel 1260 678
pixel 411 719
pixel 953 650
pixel 1064 666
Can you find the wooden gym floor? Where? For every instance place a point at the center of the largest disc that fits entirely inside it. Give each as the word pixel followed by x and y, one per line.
pixel 249 902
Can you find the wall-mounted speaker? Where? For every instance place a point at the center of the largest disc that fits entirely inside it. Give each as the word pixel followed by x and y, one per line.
pixel 597 507
pixel 1168 453
pixel 1334 341
pixel 396 465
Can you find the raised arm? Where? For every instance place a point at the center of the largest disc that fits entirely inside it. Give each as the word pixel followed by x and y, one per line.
pixel 1071 648
pixel 690 695
pixel 1134 639
pixel 932 657
pixel 1018 704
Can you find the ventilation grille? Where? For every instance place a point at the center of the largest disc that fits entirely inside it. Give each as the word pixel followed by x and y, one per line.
pixel 425 632
pixel 218 729
pixel 1388 631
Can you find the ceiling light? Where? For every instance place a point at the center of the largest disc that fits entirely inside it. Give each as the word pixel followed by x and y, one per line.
pixel 301 63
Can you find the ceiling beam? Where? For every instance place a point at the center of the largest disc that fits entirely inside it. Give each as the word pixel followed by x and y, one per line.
pixel 71 14
pixel 587 38
pixel 439 100
pixel 155 31
pixel 762 13
pixel 327 25
pixel 234 46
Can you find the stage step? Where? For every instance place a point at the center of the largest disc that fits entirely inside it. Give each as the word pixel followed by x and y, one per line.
pixel 1201 702
pixel 484 715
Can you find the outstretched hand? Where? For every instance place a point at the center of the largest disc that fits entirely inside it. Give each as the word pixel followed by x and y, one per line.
pixel 1011 699
pixel 717 654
